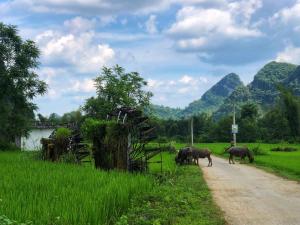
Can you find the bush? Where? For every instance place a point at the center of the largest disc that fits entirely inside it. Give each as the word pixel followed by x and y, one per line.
pixel 258 151
pixel 63 133
pixel 89 128
pixel 284 149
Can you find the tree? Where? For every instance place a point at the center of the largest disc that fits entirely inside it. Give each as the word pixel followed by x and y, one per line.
pixel 274 125
pixel 19 83
pixel 115 88
pixel 291 105
pixel 249 110
pixel 248 129
pixel 54 118
pixel 42 118
pixel 72 117
pixel 222 130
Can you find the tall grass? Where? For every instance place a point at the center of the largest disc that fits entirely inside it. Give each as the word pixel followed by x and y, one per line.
pixel 63 194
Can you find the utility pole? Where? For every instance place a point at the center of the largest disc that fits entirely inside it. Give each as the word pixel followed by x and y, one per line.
pixel 192 132
pixel 234 127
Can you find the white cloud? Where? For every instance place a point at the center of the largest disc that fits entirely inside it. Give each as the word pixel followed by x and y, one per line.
pixel 290 54
pixel 198 27
pixel 80 51
pixel 186 79
pixel 152 83
pixel 151 24
pixel 86 85
pixel 198 22
pixel 245 9
pixel 91 7
pixel 185 88
pixel 290 14
pixel 79 24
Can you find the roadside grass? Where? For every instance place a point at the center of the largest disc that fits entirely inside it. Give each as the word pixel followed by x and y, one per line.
pixel 181 196
pixel 48 193
pixel 285 164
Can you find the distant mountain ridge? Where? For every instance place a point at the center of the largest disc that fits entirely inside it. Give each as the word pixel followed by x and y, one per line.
pixel 212 99
pixel 219 99
pixel 263 89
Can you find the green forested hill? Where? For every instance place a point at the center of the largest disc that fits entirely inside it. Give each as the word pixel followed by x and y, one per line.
pixel 263 89
pixel 212 99
pixel 164 112
pixel 293 81
pixel 220 98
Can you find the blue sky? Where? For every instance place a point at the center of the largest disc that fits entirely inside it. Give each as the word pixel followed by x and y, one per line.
pixel 181 47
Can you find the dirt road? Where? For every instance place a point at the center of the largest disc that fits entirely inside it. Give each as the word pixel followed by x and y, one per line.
pixel 251 196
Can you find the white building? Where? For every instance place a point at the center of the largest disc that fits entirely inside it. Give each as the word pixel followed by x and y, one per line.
pixel 33 140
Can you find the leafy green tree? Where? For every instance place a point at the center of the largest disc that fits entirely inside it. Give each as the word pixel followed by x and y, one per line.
pixel 248 129
pixel 42 118
pixel 54 118
pixel 116 88
pixel 72 117
pixel 19 83
pixel 274 126
pixel 221 131
pixel 291 105
pixel 249 110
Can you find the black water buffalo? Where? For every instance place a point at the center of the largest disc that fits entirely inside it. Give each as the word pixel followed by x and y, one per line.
pixel 241 152
pixel 184 155
pixel 187 154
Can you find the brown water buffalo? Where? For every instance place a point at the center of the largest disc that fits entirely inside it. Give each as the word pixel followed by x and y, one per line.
pixel 201 153
pixel 241 152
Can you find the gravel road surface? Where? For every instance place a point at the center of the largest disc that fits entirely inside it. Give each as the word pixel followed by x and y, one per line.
pixel 248 195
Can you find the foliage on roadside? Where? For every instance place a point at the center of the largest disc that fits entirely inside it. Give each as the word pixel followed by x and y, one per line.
pixel 180 196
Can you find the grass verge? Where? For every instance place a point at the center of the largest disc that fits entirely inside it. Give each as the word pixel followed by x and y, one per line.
pixel 181 196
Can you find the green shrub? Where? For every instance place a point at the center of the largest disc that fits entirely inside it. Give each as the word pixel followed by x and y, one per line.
pixel 63 133
pixel 258 151
pixel 89 128
pixel 284 149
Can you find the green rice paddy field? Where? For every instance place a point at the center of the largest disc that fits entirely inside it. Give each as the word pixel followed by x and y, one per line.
pixel 48 193
pixel 35 192
pixel 286 164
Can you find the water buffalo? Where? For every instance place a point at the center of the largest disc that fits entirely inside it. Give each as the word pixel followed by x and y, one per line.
pixel 184 155
pixel 240 152
pixel 201 153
